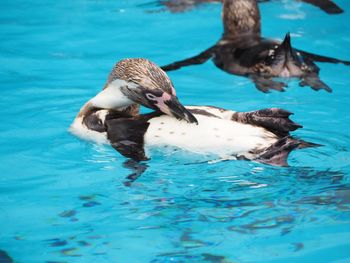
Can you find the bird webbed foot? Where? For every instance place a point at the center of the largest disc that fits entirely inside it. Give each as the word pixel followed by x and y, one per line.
pixel 266 84
pixel 314 82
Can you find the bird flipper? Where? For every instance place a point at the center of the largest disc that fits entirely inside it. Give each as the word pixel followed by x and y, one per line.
pixel 196 60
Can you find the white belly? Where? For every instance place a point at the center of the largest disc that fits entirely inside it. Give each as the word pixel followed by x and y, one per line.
pixel 80 130
pixel 211 136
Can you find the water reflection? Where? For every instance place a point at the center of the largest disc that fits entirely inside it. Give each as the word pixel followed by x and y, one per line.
pixel 185 256
pixel 202 210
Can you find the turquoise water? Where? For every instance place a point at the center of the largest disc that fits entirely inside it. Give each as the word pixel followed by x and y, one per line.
pixel 66 200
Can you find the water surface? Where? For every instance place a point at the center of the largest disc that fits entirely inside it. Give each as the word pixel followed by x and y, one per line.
pixel 66 200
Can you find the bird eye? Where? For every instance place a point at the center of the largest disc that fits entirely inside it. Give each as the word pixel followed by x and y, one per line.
pixel 150 96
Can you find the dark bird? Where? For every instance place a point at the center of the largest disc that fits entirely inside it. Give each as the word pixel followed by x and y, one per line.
pixel 243 51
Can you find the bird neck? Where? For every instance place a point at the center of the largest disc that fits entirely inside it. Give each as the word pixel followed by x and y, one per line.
pixel 132 110
pixel 240 17
pixel 111 98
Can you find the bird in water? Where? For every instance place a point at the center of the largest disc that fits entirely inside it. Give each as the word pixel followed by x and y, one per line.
pixel 176 6
pixel 262 136
pixel 243 51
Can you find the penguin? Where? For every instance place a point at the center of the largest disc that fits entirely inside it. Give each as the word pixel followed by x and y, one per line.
pixel 243 51
pixel 261 136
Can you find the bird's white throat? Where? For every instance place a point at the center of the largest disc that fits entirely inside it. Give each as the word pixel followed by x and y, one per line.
pixel 112 97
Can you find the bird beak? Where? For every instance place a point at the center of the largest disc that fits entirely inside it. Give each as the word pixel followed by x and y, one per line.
pixel 170 105
pixel 159 100
pixel 179 111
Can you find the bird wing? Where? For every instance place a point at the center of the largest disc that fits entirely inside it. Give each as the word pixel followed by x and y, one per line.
pixel 196 60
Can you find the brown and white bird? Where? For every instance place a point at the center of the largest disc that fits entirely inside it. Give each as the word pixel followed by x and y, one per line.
pixel 262 135
pixel 131 83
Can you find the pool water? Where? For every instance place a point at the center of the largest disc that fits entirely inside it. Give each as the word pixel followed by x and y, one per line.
pixel 66 200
